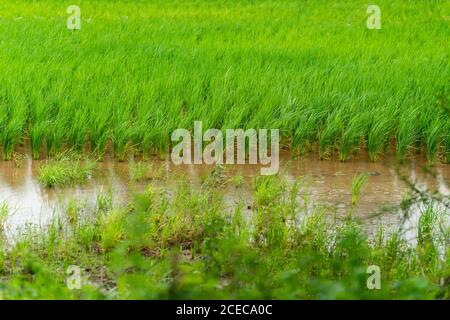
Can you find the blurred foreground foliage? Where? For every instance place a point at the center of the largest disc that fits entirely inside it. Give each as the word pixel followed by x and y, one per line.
pixel 191 244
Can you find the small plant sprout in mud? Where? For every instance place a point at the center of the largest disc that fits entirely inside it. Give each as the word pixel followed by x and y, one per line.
pixel 357 183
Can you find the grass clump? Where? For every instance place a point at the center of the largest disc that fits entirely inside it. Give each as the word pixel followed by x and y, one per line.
pixel 65 173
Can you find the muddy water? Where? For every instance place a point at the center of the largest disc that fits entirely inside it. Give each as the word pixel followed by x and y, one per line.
pixel 326 182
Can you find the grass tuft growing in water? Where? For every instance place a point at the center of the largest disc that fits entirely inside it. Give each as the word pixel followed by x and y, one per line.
pixel 63 173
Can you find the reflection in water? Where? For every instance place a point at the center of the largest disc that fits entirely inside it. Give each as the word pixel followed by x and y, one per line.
pixel 326 182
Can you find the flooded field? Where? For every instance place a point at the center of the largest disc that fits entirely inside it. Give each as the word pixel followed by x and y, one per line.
pixel 100 100
pixel 327 183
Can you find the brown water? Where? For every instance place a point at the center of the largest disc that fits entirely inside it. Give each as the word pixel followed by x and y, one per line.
pixel 326 182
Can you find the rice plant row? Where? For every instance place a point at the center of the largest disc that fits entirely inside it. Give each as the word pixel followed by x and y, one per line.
pixel 135 72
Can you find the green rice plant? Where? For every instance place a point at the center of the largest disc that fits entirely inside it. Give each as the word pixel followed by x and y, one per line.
pixel 73 210
pixel 77 132
pixel 330 133
pixel 447 149
pixel 11 136
pixel 37 134
pixel 426 227
pixel 55 138
pixel 432 236
pixel 378 136
pixel 268 189
pixel 39 117
pixel 443 103
pixel 434 138
pixel 140 139
pixel 121 145
pixel 99 134
pixel 358 182
pixel 130 91
pixel 65 173
pixel 13 132
pixel 352 135
pixel 112 229
pixel 407 134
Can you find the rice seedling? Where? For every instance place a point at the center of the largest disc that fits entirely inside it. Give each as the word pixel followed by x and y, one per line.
pixel 358 182
pixel 65 173
pixel 112 230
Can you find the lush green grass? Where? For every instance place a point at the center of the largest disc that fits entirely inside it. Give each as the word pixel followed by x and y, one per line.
pixel 138 70
pixel 189 244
